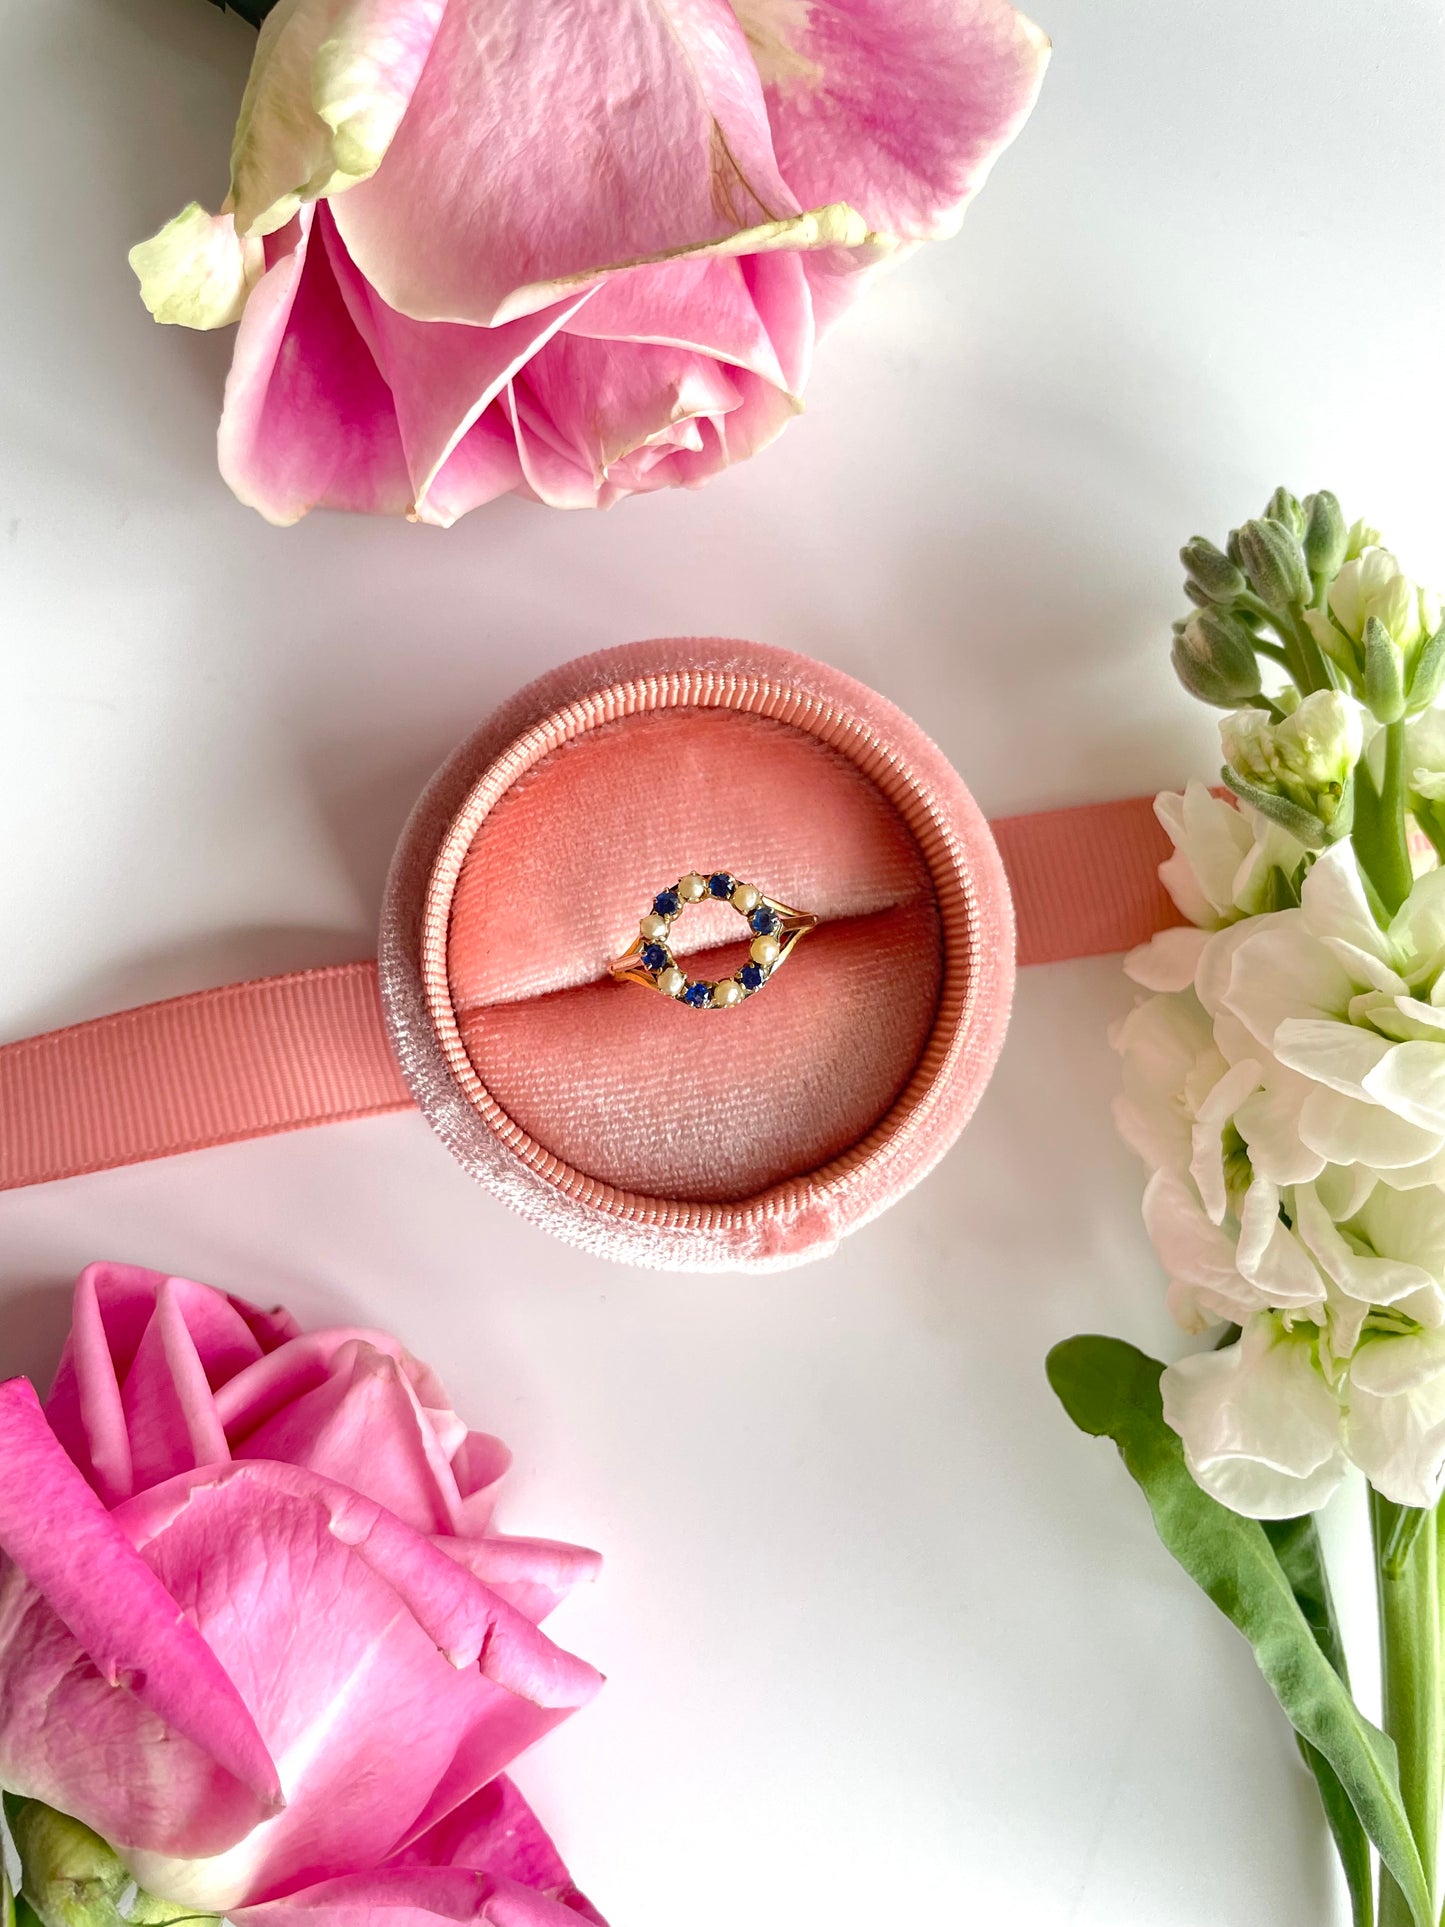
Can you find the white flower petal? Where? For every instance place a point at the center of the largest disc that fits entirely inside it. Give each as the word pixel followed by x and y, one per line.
pixel 1168 961
pixel 1176 873
pixel 1395 1423
pixel 1343 1189
pixel 1211 839
pixel 1341 1056
pixel 1382 1279
pixel 1347 1130
pixel 1284 972
pixel 1269 1123
pixel 1195 1252
pixel 1410 1081
pixel 1261 1429
pixel 1333 903
pixel 1407 1224
pixel 1270 1256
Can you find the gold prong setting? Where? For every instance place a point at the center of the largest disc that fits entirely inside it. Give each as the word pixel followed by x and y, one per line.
pixel 774 927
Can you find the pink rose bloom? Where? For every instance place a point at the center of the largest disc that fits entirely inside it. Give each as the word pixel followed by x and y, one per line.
pixel 256 1629
pixel 571 249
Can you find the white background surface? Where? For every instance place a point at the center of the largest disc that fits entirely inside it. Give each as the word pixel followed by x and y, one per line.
pixel 886 1640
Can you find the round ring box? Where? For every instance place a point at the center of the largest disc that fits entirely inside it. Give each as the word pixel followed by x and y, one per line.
pixel 743 1139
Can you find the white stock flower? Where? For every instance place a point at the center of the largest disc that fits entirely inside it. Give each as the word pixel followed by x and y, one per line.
pixel 1284 1083
pixel 1375 585
pixel 1307 757
pixel 1354 1012
pixel 1262 1431
pixel 1223 857
pixel 1269 1429
pixel 1394 1424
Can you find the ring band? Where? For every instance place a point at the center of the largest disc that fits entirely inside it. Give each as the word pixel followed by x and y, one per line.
pixel 775 928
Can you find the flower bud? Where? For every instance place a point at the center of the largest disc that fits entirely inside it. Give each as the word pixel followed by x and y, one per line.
pixel 1372 588
pixel 72 1878
pixel 1214 658
pixel 1211 571
pixel 1325 536
pixel 1384 679
pixel 1286 508
pixel 1307 759
pixel 1362 537
pixel 1275 564
pixel 1428 676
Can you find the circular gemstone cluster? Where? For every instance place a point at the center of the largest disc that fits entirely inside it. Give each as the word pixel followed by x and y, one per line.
pixel 656 956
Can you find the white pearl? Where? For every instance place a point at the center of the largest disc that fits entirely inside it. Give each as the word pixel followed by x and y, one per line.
pixel 693 888
pixel 727 992
pixel 653 927
pixel 765 950
pixel 746 898
pixel 671 982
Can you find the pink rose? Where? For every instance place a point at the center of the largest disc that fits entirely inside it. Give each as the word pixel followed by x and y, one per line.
pixel 574 249
pixel 256 1629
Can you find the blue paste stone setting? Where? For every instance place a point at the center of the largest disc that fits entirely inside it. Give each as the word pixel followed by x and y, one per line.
pixel 651 960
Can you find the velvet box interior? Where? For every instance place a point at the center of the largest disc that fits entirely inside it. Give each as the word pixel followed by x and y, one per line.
pixel 631 1124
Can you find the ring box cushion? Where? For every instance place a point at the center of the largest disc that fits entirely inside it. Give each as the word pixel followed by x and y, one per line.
pixel 668 1136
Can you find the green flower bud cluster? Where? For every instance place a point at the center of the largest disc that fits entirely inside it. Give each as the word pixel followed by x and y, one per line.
pixel 1309 629
pixel 1322 600
pixel 70 1877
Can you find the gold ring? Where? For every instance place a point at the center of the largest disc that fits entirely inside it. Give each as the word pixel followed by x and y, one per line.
pixel 774 926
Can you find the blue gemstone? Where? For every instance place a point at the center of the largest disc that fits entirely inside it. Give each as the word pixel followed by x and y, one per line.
pixel 764 920
pixel 751 976
pixel 698 995
pixel 667 903
pixel 655 957
pixel 720 884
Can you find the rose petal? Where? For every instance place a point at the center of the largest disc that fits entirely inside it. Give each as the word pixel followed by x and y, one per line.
pixel 440 1680
pixel 534 1575
pixel 666 152
pixel 442 376
pixel 308 421
pixel 605 400
pixel 898 107
pixel 361 1427
pixel 329 83
pixel 196 272
pixel 170 1414
pixel 61 1538
pixel 755 312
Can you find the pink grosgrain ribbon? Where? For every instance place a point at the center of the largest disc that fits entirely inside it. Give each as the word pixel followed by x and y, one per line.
pixel 284 1053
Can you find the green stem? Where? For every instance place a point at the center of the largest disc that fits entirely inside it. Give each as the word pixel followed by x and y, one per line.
pixel 1410 1670
pixel 1379 836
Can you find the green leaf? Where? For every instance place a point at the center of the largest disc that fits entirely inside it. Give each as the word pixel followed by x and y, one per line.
pixel 1296 1544
pixel 1111 1389
pixel 1303 827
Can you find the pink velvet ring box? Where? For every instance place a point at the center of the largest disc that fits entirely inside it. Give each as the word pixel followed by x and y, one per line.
pixel 750 1138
